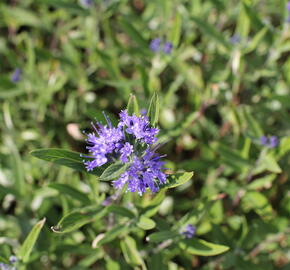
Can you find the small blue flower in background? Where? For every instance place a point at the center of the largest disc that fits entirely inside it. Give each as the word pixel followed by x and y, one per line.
pixel 132 142
pixel 264 140
pixel 16 76
pixel 189 231
pixel 86 3
pixel 155 44
pixel 235 39
pixel 167 48
pixel 274 142
pixel 288 9
pixel 13 259
pixel 271 142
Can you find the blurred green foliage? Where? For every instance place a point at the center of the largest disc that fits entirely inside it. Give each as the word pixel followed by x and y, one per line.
pixel 225 84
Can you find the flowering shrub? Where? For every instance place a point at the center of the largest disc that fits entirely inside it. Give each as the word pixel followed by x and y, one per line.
pixel 186 86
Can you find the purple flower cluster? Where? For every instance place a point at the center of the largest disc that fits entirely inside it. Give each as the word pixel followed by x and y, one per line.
pixel 288 10
pixel 155 46
pixel 131 142
pixel 12 260
pixel 235 39
pixel 271 142
pixel 189 231
pixel 16 75
pixel 86 3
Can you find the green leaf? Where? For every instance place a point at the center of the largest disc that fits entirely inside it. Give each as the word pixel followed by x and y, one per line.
pixel 122 211
pixel 134 34
pixel 161 236
pixel 263 182
pixel 30 240
pixel 200 247
pixel 79 218
pixel 112 234
pixel 212 32
pixel 132 107
pixel 146 223
pixel 63 157
pixel 114 171
pixel 175 180
pixel 130 252
pixel 153 110
pixel 231 157
pixel 176 31
pixel 258 202
pixel 72 192
pixel 271 164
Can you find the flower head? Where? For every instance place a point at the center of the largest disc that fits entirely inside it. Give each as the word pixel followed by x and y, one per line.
pixel 16 76
pixel 167 48
pixel 4 266
pixel 189 231
pixel 155 44
pixel 13 259
pixel 288 6
pixel 271 142
pixel 131 142
pixel 235 39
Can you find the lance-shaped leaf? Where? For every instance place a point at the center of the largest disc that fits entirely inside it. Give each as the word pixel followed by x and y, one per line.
pixel 63 157
pixel 79 218
pixel 70 191
pixel 200 247
pixel 175 180
pixel 132 106
pixel 162 236
pixel 114 171
pixel 30 240
pixel 153 110
pixel 130 252
pixel 146 223
pixel 112 234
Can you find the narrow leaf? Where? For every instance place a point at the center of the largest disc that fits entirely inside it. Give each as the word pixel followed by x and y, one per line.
pixel 132 107
pixel 113 171
pixel 79 218
pixel 63 157
pixel 130 251
pixel 175 180
pixel 122 211
pixel 112 234
pixel 212 32
pixel 30 240
pixel 146 223
pixel 161 236
pixel 201 247
pixel 153 110
pixel 72 192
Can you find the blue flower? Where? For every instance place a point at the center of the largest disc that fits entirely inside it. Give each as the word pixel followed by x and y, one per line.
pixel 4 266
pixel 16 76
pixel 13 259
pixel 86 3
pixel 189 231
pixel 235 39
pixel 271 142
pixel 131 142
pixel 288 6
pixel 155 45
pixel 167 48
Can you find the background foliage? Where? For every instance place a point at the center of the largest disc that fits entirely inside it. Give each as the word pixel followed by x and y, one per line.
pixel 225 84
